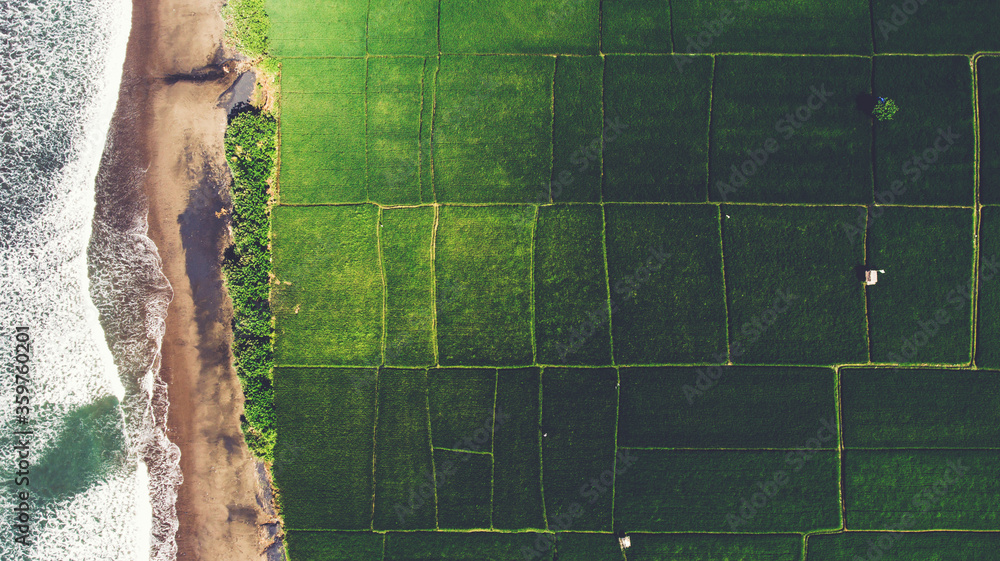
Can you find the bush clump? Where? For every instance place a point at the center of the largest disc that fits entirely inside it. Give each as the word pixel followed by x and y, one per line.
pixel 248 28
pixel 250 152
pixel 885 109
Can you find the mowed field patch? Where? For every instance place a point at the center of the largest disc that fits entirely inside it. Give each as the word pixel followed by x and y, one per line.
pixel 635 26
pixel 334 546
pixel 920 312
pixel 988 78
pixel 577 130
pixel 322 122
pixel 317 29
pixel 728 491
pixel 658 150
pixel 794 296
pixel 925 154
pixel 485 254
pixel 327 297
pixel 894 546
pixel 988 290
pixel 795 27
pixel 461 407
pixel 571 293
pixel 665 276
pixel 402 28
pixel 485 546
pixel 797 137
pixel 521 26
pixel 517 478
pixel 938 489
pixel 747 547
pixel 579 407
pixel 748 407
pixel 324 450
pixel 404 472
pixel 929 26
pixel 394 96
pixel 463 489
pixel 885 408
pixel 406 235
pixel 492 136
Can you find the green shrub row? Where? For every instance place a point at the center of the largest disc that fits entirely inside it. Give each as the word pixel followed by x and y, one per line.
pixel 248 27
pixel 250 152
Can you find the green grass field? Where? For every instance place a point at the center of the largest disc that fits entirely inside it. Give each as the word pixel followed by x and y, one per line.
pixel 492 136
pixel 762 407
pixel 486 253
pixel 939 489
pixel 523 301
pixel 405 236
pixel 929 144
pixel 705 490
pixel 658 150
pixel 328 304
pixel 920 311
pixel 791 26
pixel 988 74
pixel 404 471
pixel 792 290
pixel 796 138
pixel 988 306
pixel 571 298
pixel 665 283
pixel 578 446
pixel 323 455
pixel 920 408
pixel 890 546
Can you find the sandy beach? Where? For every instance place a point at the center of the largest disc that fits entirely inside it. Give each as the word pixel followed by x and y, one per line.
pixel 168 111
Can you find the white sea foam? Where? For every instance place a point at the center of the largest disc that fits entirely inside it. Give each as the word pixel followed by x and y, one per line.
pixel 60 70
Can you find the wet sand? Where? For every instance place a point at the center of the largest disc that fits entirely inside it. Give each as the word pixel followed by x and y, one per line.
pixel 168 112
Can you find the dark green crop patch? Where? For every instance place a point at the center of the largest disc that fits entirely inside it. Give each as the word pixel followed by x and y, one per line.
pixel 792 284
pixel 920 312
pixel 797 137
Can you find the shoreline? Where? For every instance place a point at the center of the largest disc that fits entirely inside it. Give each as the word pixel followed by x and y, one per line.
pixel 169 115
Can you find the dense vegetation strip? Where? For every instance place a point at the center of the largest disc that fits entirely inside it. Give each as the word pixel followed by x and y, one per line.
pixel 250 151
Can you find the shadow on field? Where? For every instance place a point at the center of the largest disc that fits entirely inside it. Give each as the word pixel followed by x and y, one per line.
pixel 865 102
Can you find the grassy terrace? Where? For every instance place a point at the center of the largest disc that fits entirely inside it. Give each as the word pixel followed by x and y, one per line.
pixel 548 271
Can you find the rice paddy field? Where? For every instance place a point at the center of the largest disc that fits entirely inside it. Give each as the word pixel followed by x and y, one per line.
pixel 551 272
